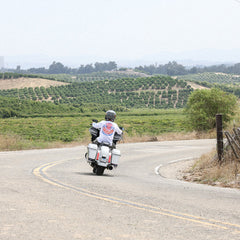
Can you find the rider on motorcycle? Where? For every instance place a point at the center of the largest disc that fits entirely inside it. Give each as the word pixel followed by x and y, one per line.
pixel 107 128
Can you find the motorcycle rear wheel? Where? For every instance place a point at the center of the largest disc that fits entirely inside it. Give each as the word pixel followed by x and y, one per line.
pixel 94 169
pixel 99 170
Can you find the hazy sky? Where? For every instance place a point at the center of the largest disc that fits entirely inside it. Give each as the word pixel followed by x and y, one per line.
pixel 117 29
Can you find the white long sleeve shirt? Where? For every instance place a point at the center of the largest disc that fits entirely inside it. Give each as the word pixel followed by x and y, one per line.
pixel 107 131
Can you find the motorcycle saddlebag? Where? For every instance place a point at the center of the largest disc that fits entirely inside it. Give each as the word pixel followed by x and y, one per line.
pixel 115 156
pixel 92 151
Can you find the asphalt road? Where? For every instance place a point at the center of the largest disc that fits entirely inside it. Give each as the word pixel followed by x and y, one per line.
pixel 53 195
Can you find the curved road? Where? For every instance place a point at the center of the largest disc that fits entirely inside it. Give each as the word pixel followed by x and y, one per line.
pixel 52 194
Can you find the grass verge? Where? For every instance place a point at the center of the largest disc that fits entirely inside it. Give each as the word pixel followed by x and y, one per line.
pixel 207 170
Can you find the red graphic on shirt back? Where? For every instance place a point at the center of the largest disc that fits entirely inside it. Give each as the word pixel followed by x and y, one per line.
pixel 108 129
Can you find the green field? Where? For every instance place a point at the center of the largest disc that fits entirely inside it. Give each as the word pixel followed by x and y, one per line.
pixel 137 123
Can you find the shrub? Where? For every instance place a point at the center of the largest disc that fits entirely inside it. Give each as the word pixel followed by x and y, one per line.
pixel 203 105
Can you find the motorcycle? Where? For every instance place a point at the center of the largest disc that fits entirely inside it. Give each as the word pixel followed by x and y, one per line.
pixel 102 156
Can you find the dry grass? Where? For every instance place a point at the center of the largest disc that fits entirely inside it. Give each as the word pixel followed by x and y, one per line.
pixel 196 86
pixel 10 142
pixel 207 170
pixel 13 142
pixel 28 82
pixel 170 137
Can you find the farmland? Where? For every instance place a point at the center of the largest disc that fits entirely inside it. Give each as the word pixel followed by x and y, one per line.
pixel 137 123
pixel 63 113
pixel 152 92
pixel 36 116
pixel 71 78
pixel 213 77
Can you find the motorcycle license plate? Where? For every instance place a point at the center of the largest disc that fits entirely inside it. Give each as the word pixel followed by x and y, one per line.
pixel 103 160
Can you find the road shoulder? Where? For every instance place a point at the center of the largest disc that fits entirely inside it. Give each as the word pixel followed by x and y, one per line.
pixel 176 170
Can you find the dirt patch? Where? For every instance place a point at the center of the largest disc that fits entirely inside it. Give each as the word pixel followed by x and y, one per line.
pixel 176 170
pixel 196 86
pixel 28 82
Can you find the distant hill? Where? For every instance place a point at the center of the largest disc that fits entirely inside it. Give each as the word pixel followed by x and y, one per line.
pixel 151 92
pixel 213 77
pixel 95 76
pixel 63 77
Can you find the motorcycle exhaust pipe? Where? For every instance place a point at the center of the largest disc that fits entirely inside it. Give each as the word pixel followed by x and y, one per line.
pixel 110 167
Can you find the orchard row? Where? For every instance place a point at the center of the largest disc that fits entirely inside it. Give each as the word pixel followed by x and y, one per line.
pixel 154 92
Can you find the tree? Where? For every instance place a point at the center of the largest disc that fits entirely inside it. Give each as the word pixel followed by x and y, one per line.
pixel 173 68
pixel 57 67
pixel 203 105
pixel 112 65
pixel 89 68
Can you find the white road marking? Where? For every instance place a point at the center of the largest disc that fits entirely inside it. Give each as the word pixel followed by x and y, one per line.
pixel 156 170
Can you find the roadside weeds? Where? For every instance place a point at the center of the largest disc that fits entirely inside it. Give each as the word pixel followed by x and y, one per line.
pixel 207 170
pixel 13 142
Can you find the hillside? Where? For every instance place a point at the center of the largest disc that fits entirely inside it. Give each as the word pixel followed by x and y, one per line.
pixel 213 77
pixel 229 83
pixel 95 76
pixel 27 82
pixel 152 92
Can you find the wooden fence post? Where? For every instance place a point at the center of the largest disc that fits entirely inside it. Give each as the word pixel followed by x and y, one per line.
pixel 219 137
